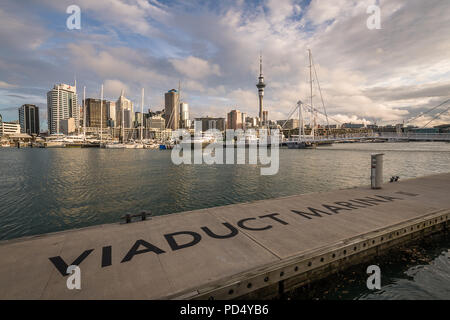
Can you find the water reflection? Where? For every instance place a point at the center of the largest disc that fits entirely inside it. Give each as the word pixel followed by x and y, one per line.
pixel 46 190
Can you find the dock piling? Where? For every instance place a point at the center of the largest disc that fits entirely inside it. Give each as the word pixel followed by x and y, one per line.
pixel 376 174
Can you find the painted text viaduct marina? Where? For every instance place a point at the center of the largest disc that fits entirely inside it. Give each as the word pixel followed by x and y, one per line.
pixel 258 249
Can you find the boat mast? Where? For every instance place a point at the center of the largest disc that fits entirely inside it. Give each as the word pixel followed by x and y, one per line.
pixel 84 112
pixel 101 115
pixel 142 111
pixel 123 120
pixel 313 124
pixel 300 120
pixel 57 113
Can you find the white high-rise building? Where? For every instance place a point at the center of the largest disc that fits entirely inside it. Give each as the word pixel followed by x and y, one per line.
pixel 62 104
pixel 127 106
pixel 111 110
pixel 184 115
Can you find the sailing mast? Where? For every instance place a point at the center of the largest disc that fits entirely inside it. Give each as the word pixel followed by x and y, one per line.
pixel 57 113
pixel 142 112
pixel 101 115
pixel 84 112
pixel 300 120
pixel 313 120
pixel 123 119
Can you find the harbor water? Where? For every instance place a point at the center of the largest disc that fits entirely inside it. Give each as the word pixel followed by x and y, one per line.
pixel 48 190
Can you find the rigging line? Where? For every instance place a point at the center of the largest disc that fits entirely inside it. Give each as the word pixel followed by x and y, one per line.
pixel 421 114
pixel 290 115
pixel 437 116
pixel 320 91
pixel 307 105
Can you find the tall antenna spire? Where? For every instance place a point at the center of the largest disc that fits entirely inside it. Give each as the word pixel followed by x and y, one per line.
pixel 260 65
pixel 260 85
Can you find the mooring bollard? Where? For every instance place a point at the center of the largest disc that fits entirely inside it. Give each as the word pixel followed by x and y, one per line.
pixel 376 173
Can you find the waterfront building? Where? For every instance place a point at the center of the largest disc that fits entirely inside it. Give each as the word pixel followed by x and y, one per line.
pixel 94 113
pixel 67 126
pixel 9 128
pixel 243 118
pixel 234 120
pixel 352 125
pixel 156 123
pixel 265 120
pixel 29 119
pixel 171 109
pixel 138 119
pixel 184 115
pixel 260 85
pixel 124 106
pixel 127 118
pixel 111 110
pixel 62 103
pixel 251 122
pixel 289 124
pixel 111 123
pixel 212 123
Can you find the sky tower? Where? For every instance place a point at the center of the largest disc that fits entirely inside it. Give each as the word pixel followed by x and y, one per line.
pixel 260 85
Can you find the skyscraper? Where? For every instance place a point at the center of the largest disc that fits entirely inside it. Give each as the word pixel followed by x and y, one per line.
pixel 29 119
pixel 124 106
pixel 243 117
pixel 171 111
pixel 93 113
pixel 265 120
pixel 184 115
pixel 260 85
pixel 62 103
pixel 234 120
pixel 111 110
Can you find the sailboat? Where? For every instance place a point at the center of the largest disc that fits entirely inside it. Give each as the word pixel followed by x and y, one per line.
pixel 301 142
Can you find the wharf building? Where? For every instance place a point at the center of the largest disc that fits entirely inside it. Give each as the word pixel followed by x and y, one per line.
pixel 124 107
pixel 112 113
pixel 9 128
pixel 29 119
pixel 234 120
pixel 171 109
pixel 185 123
pixel 96 113
pixel 62 104
pixel 212 123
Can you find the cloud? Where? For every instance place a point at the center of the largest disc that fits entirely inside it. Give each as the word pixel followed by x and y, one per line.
pixel 5 85
pixel 195 68
pixel 113 88
pixel 385 75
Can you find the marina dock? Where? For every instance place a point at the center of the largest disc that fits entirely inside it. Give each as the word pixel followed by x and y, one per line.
pixel 250 250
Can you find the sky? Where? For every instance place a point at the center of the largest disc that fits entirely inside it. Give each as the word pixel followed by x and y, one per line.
pixel 384 76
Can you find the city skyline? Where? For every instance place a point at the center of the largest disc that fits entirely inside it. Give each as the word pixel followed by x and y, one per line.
pixel 366 74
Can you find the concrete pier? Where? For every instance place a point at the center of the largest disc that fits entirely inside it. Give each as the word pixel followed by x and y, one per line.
pixel 256 250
